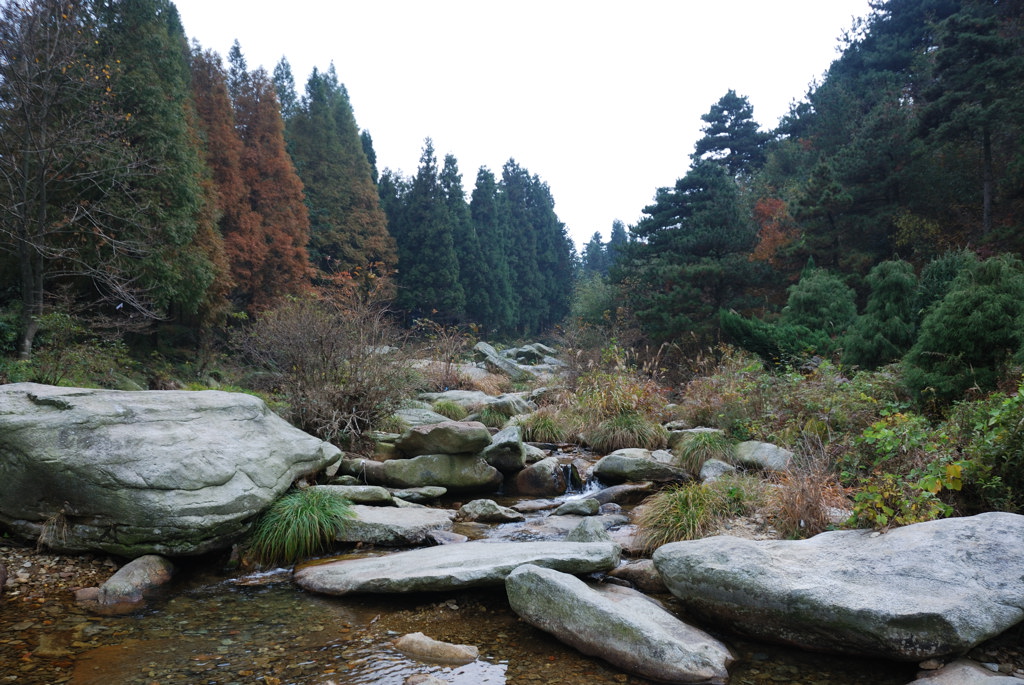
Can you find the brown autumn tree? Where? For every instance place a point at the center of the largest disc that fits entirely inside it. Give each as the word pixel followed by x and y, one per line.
pixel 242 228
pixel 274 193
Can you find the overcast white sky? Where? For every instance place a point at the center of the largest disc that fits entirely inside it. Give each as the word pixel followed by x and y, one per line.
pixel 600 99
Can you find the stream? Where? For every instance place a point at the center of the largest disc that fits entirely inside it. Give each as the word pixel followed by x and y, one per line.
pixel 212 627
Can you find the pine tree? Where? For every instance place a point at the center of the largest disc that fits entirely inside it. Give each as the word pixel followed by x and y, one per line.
pixel 595 256
pixel 888 326
pixel 348 227
pixel 731 136
pixel 146 38
pixel 284 86
pixel 472 271
pixel 490 220
pixel 617 241
pixel 428 269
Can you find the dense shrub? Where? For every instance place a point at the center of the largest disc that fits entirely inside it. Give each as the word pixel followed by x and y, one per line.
pixel 888 327
pixel 334 362
pixel 968 337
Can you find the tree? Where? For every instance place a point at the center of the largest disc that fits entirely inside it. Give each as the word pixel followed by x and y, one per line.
pixel 473 275
pixel 976 56
pixel 488 211
pixel 616 242
pixel 820 301
pixel 731 136
pixel 284 86
pixel 64 163
pixel 172 192
pixel 348 229
pixel 279 260
pixel 967 338
pixel 888 327
pixel 428 268
pixel 595 256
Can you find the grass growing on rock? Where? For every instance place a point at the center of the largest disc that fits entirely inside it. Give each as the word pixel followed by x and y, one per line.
pixel 628 429
pixel 451 409
pixel 695 510
pixel 298 525
pixel 698 447
pixel 545 425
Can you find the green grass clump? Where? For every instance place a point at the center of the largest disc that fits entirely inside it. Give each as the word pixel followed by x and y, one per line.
pixel 451 409
pixel 493 417
pixel 695 510
pixel 697 447
pixel 545 425
pixel 298 525
pixel 628 429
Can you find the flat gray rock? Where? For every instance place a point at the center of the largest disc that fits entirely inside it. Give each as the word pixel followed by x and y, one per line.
pixel 451 567
pixel 927 590
pixel 635 465
pixel 619 625
pixel 394 526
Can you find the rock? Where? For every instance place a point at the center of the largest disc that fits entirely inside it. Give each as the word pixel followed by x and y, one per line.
pixel 423 679
pixel 713 469
pixel 419 646
pixel 418 416
pixel 427 493
pixel 619 625
pixel 590 529
pixel 927 590
pixel 496 363
pixel 506 451
pixel 3 579
pixel 511 404
pixel 125 591
pixel 966 672
pixel 533 453
pixel 361 494
pixel 678 432
pixel 393 526
pixel 466 398
pixel 489 511
pixel 634 465
pixel 445 537
pixel 579 507
pixel 131 473
pixel 627 493
pixel 545 478
pixel 447 437
pixel 455 472
pixel 553 527
pixel 451 567
pixel 642 575
pixel 762 455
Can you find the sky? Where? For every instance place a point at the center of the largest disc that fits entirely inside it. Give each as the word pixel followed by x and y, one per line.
pixel 602 100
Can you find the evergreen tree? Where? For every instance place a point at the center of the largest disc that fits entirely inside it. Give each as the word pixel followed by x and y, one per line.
pixel 428 268
pixel 967 338
pixel 146 38
pixel 731 136
pixel 371 155
pixel 489 213
pixel 284 86
pixel 616 242
pixel 888 326
pixel 473 276
pixel 820 301
pixel 689 260
pixel 348 227
pixel 595 257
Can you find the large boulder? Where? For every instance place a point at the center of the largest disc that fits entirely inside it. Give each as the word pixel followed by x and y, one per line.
pixel 928 590
pixel 634 465
pixel 762 455
pixel 453 567
pixel 496 363
pixel 506 451
pixel 545 478
pixel 622 626
pixel 147 472
pixel 448 437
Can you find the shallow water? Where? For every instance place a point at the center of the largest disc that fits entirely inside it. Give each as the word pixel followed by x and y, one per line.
pixel 263 629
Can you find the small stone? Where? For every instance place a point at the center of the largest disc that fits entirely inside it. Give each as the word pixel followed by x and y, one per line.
pixel 930 665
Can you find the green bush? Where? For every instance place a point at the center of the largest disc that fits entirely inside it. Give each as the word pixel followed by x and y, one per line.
pixel 888 327
pixel 968 337
pixel 298 525
pixel 995 444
